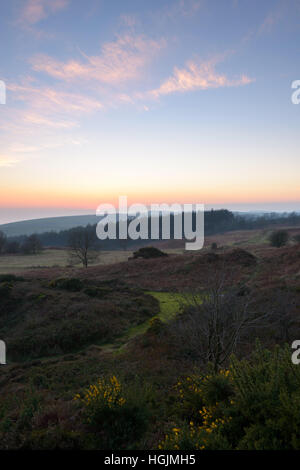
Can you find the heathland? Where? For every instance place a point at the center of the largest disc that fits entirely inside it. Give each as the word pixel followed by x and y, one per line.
pixel 186 351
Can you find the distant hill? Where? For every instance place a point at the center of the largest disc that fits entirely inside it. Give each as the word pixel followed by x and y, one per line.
pixel 56 224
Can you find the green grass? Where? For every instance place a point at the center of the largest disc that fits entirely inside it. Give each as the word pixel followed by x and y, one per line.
pixel 170 305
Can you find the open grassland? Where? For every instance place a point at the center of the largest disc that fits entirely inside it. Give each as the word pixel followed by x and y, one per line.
pixel 247 238
pixel 53 259
pixel 59 258
pixel 255 240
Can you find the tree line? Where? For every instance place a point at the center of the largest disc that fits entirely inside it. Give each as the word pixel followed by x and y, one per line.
pixel 215 221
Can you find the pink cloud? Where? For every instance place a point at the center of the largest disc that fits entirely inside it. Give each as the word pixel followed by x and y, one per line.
pixel 119 61
pixel 51 100
pixel 197 76
pixel 37 10
pixel 49 107
pixel 36 119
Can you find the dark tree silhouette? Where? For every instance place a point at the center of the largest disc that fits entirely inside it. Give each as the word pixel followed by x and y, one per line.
pixel 81 243
pixel 31 245
pixel 279 238
pixel 2 242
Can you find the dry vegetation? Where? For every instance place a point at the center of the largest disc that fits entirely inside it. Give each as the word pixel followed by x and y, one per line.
pixel 67 326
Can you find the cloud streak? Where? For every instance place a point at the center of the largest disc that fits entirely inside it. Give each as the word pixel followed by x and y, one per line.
pixel 52 100
pixel 197 76
pixel 119 61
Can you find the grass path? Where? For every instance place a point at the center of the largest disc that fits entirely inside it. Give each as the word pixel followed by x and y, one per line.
pixel 170 304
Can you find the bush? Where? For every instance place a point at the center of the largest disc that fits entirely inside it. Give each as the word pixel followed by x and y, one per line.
pixel 254 405
pixel 115 415
pixel 5 290
pixel 149 252
pixel 10 278
pixel 70 284
pixel 279 238
pixel 155 326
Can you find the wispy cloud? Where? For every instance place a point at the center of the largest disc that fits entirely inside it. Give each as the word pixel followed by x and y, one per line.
pixel 50 100
pixel 7 162
pixel 269 22
pixel 38 119
pixel 119 61
pixel 184 8
pixel 283 12
pixel 197 76
pixel 36 10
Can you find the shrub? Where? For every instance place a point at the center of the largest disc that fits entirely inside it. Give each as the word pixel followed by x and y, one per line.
pixel 114 414
pixel 70 284
pixel 254 405
pixel 10 278
pixel 5 290
pixel 155 325
pixel 149 252
pixel 279 238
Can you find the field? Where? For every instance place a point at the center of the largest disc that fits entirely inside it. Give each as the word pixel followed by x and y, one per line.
pixel 58 258
pixel 53 259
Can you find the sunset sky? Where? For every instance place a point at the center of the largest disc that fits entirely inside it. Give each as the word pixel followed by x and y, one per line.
pixel 160 100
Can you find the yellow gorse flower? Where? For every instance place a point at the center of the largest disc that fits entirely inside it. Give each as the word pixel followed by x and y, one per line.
pixel 107 392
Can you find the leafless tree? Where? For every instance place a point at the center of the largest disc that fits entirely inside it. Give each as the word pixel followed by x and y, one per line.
pixel 81 244
pixel 32 245
pixel 215 318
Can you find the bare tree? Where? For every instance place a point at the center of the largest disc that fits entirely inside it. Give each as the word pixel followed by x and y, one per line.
pixel 32 245
pixel 215 319
pixel 81 243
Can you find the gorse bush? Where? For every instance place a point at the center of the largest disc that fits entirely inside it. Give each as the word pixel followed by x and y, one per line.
pixel 105 393
pixel 155 325
pixel 254 405
pixel 114 414
pixel 201 409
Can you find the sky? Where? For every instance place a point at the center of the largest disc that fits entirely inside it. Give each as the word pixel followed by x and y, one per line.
pixel 170 101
